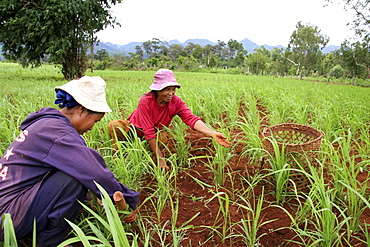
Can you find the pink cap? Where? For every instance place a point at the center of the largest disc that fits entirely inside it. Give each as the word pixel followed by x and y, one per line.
pixel 164 78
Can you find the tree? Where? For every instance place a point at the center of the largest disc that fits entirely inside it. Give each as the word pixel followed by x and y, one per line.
pixel 220 49
pixel 30 30
pixel 176 50
pixel 329 62
pixel 133 62
pixel 148 48
pixel 337 71
pixel 356 55
pixel 306 43
pixel 214 61
pixel 197 53
pixel 188 62
pixel 356 58
pixel 279 62
pixel 189 48
pixel 165 62
pixel 235 48
pixel 117 60
pixel 239 59
pixel 208 51
pixel 156 45
pixel 164 49
pixel 102 55
pixel 139 52
pixel 258 60
pixel 361 22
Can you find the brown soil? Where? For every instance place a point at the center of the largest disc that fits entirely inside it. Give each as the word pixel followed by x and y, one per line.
pixel 193 199
pixel 196 200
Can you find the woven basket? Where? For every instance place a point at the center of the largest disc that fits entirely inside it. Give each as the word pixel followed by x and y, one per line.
pixel 301 143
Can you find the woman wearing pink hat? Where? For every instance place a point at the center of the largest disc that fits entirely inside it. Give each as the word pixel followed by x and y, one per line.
pixel 155 110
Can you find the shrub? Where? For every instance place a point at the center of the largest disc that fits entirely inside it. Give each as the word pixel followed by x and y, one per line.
pixel 337 71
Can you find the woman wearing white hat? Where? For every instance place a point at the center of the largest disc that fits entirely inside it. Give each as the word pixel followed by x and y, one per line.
pixel 48 168
pixel 155 110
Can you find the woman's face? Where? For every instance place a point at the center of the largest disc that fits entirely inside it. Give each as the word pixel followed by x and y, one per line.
pixel 85 120
pixel 165 95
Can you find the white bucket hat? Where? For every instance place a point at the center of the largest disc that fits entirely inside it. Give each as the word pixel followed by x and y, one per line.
pixel 88 91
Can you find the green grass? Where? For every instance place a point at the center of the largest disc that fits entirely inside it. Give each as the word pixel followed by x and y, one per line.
pixel 340 111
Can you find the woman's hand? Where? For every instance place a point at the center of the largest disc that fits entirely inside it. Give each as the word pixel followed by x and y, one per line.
pixel 162 164
pixel 221 139
pixel 157 154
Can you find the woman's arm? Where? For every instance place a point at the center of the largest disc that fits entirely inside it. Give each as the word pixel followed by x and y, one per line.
pixel 157 153
pixel 220 138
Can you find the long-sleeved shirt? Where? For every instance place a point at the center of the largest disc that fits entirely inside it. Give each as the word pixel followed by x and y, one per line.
pixel 149 116
pixel 49 143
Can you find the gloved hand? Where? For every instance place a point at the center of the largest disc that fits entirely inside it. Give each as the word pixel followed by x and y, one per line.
pixel 121 204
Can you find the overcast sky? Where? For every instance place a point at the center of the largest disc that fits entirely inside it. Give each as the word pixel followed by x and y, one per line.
pixel 268 22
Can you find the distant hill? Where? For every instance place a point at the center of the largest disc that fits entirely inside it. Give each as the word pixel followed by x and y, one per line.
pixel 201 42
pixel 248 45
pixel 330 48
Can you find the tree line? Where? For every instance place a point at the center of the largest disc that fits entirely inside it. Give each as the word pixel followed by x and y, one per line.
pixel 302 57
pixel 62 32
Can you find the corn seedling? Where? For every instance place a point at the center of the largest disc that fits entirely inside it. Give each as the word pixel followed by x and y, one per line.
pixel 112 223
pixel 131 160
pixel 366 231
pixel 252 220
pixel 178 233
pixel 223 214
pixel 345 173
pixel 239 105
pixel 178 133
pixel 219 162
pixel 279 171
pixel 9 232
pixel 326 217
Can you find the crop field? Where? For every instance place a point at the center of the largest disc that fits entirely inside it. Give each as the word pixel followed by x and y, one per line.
pixel 244 195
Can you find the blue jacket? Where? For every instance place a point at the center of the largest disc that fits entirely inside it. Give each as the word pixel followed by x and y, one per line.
pixel 49 143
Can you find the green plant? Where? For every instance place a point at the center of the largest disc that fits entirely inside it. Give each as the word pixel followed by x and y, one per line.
pixel 9 232
pixel 337 71
pixel 279 170
pixel 321 212
pixel 223 214
pixel 346 170
pixel 219 162
pixel 131 160
pixel 112 223
pixel 252 221
pixel 178 133
pixel 263 101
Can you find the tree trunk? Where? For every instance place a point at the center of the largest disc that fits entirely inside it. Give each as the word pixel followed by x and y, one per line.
pixel 92 56
pixel 74 65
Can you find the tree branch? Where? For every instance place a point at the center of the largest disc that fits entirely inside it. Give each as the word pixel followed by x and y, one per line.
pixel 295 64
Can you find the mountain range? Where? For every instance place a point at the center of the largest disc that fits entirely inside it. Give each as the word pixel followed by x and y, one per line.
pixel 248 45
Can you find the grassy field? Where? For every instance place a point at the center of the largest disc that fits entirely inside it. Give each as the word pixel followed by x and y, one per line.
pixel 216 196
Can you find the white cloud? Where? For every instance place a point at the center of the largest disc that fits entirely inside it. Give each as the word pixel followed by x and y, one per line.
pixel 268 22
